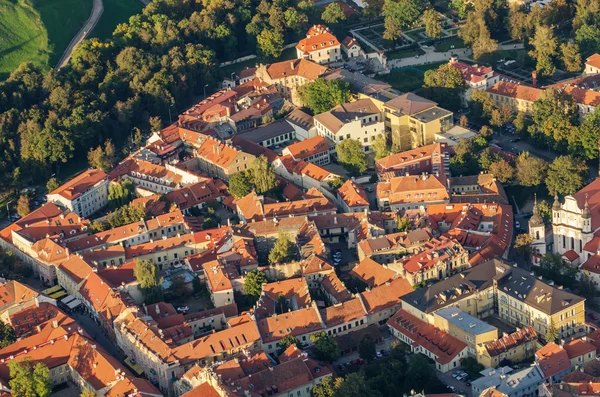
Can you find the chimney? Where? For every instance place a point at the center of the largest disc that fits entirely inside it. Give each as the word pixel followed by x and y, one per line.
pixel 54 324
pixel 534 78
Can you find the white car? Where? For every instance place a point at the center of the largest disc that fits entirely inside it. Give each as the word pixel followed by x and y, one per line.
pixel 183 309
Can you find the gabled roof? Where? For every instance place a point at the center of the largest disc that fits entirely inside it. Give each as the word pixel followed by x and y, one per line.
pixel 409 104
pixel 372 273
pixel 344 113
pixel 353 194
pixel 593 60
pixel 517 91
pixel 318 38
pixel 76 186
pixel 308 147
pixel 296 67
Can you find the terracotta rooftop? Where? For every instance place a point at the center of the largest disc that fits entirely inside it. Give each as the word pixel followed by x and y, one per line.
pixel 578 347
pixel 76 186
pixel 372 273
pixel 444 346
pixel 354 195
pixel 308 147
pixel 318 38
pixel 594 60
pixel 413 189
pixel 296 323
pixel 296 67
pixel 517 91
pixel 510 341
pixel 342 313
pixel 552 359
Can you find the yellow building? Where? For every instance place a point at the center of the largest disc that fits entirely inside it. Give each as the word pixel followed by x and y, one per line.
pixel 519 97
pixel 411 120
pixel 516 347
pixel 511 293
pixel 465 327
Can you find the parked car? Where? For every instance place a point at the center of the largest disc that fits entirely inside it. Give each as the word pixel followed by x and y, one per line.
pixel 183 309
pixel 517 224
pixel 593 316
pixel 379 355
pixel 369 189
pixel 515 139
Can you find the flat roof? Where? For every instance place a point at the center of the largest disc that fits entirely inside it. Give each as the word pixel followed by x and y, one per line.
pixel 267 131
pixel 465 321
pixel 431 114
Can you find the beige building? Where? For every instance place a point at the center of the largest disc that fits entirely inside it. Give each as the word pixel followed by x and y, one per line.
pixel 84 194
pixel 463 326
pixel 222 159
pixel 289 76
pixel 511 293
pixel 516 347
pixel 413 121
pixel 219 283
pixel 359 120
pixel 319 46
pixel 592 64
pixel 519 97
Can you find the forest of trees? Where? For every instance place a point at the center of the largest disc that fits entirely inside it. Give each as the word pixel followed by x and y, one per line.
pixel 163 56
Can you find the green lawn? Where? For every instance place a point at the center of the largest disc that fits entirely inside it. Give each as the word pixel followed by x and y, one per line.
pixel 22 36
pixel 115 12
pixel 38 31
pixel 404 54
pixel 414 34
pixel 448 45
pixel 404 79
pixel 62 20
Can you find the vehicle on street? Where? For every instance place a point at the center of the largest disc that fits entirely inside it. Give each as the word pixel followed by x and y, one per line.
pixel 369 189
pixel 517 224
pixel 515 140
pixel 593 316
pixel 183 309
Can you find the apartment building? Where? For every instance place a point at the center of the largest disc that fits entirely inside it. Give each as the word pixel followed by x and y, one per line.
pixel 289 76
pixel 390 248
pixel 412 121
pixel 312 150
pixel 430 159
pixel 222 160
pixel 359 120
pixel 84 194
pixel 511 293
pixel 319 46
pixel 521 383
pixel 516 347
pixel 519 97
pixel 475 77
pixel 219 282
pixel 444 349
pixel 275 134
pixel 352 197
pixel 468 329
pixel 372 273
pixel 436 259
pixel 254 208
pixel 412 192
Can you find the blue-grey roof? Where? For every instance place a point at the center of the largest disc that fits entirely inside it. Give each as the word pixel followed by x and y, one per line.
pixel 471 324
pixel 491 377
pixel 523 379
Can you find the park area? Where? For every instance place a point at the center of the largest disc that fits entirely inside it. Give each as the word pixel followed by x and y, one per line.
pixel 374 34
pixel 38 31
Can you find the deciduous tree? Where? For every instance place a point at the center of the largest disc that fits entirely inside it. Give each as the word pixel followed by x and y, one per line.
pixel 545 46
pixel 146 273
pixel 283 250
pixel 29 379
pixel 566 175
pixel 366 348
pixel 571 57
pixel 445 76
pixel 23 208
pixel 352 156
pixel 333 13
pixel 381 147
pixel 263 175
pixel 102 158
pixel 270 43
pixel 240 185
pixel 399 14
pixel 326 347
pixel 253 283
pixel 323 95
pixel 523 245
pixel 433 23
pixel 52 184
pixel 502 170
pixel 531 171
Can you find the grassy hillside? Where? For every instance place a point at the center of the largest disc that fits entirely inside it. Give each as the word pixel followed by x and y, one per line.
pixel 62 20
pixel 23 36
pixel 38 31
pixel 115 12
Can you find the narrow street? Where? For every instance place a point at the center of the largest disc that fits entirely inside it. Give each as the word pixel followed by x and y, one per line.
pixel 96 333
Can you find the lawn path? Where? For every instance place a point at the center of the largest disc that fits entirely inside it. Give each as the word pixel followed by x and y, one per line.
pixel 82 34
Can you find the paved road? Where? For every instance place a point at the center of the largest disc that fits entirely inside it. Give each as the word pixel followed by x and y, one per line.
pixel 95 332
pixel 97 11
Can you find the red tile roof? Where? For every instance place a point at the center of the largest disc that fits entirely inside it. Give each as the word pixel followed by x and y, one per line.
pixel 578 347
pixel 76 186
pixel 318 38
pixel 552 359
pixel 594 61
pixel 517 91
pixel 444 346
pixel 308 147
pixel 510 341
pixel 296 323
pixel 297 67
pixel 353 194
pixel 343 313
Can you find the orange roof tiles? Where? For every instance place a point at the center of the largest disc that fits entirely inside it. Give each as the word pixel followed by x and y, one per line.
pixel 159 245
pixel 386 295
pixel 296 323
pixel 296 67
pixel 510 341
pixel 13 292
pixel 428 158
pixel 354 195
pixel 76 186
pixel 317 38
pixel 217 153
pixel 593 60
pixel 578 347
pixel 204 390
pixel 308 147
pixel 444 346
pixel 217 276
pixel 413 189
pixel 76 268
pixel 335 287
pixel 30 320
pixel 344 312
pixel 434 251
pixel 552 359
pixel 152 204
pixel 372 273
pixel 517 91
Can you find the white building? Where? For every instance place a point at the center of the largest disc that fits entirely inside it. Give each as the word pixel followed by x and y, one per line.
pixel 84 194
pixel 319 46
pixel 592 64
pixel 359 120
